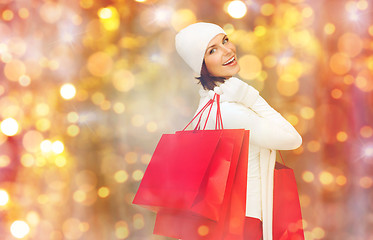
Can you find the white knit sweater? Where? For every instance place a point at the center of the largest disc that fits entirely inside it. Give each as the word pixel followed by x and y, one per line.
pixel 242 107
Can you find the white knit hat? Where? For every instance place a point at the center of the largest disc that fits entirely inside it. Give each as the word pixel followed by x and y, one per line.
pixel 191 43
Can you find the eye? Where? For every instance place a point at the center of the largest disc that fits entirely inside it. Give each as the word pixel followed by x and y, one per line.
pixel 212 50
pixel 226 39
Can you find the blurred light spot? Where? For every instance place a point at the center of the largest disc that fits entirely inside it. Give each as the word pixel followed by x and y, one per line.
pixel 307 112
pixel 31 140
pixel 145 158
pixel 363 81
pixel 370 30
pixel 121 176
pixel 237 9
pixel 27 160
pixel 366 131
pixel 68 91
pixel 123 80
pixel 24 80
pixel 203 230
pixel 46 146
pixel 51 12
pixel 86 3
pixel 73 130
pixel 329 28
pixel 267 9
pixel 292 119
pixel 42 109
pixel 342 136
pixel 151 127
pixel 182 18
pixel 9 126
pixel 23 13
pixel 304 200
pixel 98 98
pixel 287 85
pixel 260 31
pixel 326 178
pixel 60 161
pixel 366 182
pixel 318 233
pixel 348 79
pixel 86 180
pixel 131 157
pixel 42 124
pixel 57 147
pixel 70 228
pixel 350 44
pixel 19 229
pixel 4 161
pixel 43 199
pixel 362 4
pixel 33 218
pixel 109 17
pixel 99 64
pixel 138 221
pixel 340 63
pixel 79 196
pixel 270 61
pixel 336 93
pixel 40 161
pixel 121 230
pixel 14 69
pixel 313 146
pixel 118 107
pixel 163 15
pixel 341 180
pixel 84 226
pixel 368 151
pixel 8 15
pixel 137 120
pixel 4 197
pixel 105 13
pixel 308 176
pixel 307 12
pixel 72 117
pixel 250 67
pixel 103 192
pixel 137 175
pixel 299 39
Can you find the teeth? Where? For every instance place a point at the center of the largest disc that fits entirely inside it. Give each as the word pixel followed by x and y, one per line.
pixel 231 60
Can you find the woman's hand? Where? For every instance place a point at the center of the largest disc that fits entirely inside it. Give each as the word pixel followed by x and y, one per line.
pixel 235 90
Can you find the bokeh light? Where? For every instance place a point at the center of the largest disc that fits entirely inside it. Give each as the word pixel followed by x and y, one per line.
pixel 236 9
pixel 9 126
pixel 19 229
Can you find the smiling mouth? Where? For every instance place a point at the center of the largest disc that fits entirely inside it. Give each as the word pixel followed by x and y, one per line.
pixel 229 61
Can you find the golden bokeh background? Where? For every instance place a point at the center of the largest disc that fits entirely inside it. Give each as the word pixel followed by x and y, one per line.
pixel 87 88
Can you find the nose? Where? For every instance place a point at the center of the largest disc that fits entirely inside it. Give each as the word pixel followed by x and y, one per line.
pixel 226 49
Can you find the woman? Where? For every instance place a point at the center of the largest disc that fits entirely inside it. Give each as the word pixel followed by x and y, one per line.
pixel 206 48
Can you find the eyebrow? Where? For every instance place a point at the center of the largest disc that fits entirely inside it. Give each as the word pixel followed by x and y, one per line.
pixel 215 44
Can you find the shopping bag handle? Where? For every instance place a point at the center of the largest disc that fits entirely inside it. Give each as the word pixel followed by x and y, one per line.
pixel 281 157
pixel 219 121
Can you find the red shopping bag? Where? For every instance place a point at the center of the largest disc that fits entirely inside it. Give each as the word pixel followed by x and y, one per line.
pixel 186 224
pixel 287 216
pixel 189 170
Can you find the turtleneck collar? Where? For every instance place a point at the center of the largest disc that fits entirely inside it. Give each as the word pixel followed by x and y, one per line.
pixel 203 92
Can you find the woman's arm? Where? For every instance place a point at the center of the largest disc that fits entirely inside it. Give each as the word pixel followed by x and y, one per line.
pixel 269 128
pixel 271 131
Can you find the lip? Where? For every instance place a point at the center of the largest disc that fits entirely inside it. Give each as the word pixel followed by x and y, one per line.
pixel 232 63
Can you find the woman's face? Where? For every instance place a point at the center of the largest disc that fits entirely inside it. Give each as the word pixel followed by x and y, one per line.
pixel 218 57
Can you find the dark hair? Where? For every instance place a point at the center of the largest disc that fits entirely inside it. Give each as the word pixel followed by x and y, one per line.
pixel 208 82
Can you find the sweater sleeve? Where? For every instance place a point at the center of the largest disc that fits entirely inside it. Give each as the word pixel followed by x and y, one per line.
pixel 267 127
